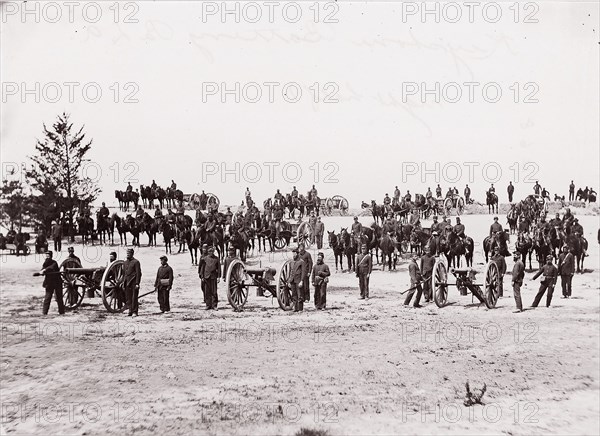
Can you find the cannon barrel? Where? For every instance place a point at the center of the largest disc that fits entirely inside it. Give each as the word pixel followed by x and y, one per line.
pixel 82 270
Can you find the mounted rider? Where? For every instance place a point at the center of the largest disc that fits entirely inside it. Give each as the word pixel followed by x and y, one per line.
pixel 428 194
pixel 139 213
pixel 459 229
pixel 495 228
pixel 129 188
pixel 103 212
pixel 438 191
pixel 294 193
pixel 313 192
pixel 390 224
pixel 408 196
pixel 278 197
pixel 173 185
pixel 158 212
pixel 397 194
pixel 387 200
pixel 492 190
pixel 556 221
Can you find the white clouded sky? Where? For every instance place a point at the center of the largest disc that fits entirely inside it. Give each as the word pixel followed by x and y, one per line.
pixel 368 134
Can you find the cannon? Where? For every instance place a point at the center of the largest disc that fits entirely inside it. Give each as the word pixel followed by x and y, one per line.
pixel 268 281
pixel 487 292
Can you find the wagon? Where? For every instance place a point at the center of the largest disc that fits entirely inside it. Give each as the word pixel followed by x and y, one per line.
pixel 337 202
pixel 454 202
pixel 298 232
pixel 487 292
pixel 268 281
pixel 193 202
pixel 106 283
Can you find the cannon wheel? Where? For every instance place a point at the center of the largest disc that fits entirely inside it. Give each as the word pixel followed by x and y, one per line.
pixel 72 292
pixel 492 285
pixel 280 243
pixel 212 200
pixel 326 207
pixel 284 293
pixel 304 234
pixel 448 205
pixel 237 289
pixel 194 202
pixel 460 206
pixel 439 283
pixel 112 287
pixel 342 204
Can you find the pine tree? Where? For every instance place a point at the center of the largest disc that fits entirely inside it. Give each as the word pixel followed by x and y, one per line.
pixel 13 204
pixel 57 172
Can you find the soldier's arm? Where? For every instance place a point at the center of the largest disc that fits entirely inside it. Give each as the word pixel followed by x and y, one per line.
pixel 170 276
pixel 157 281
pixel 326 272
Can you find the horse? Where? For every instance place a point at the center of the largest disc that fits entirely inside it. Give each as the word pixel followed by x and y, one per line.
pixel 85 227
pixel 215 238
pixel 578 246
pixel 150 227
pixel 378 212
pixel 336 245
pixel 387 245
pixel 370 237
pixel 123 202
pixel 168 233
pixel 555 239
pixel 350 249
pixel 541 246
pixel 456 247
pixel 122 227
pixel 500 240
pixel 419 240
pixel 524 246
pixel 512 218
pixel 239 241
pixel 491 200
pixel 105 228
pixel 134 229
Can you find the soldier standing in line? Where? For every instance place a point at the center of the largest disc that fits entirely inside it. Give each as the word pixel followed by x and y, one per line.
pixel 312 220
pixel 320 274
pixel 571 191
pixel 319 232
pixel 163 284
pixel 467 194
pixel 203 254
pixel 566 269
pixel 518 273
pixel 511 190
pixel 438 191
pixel 308 262
pixel 364 267
pixel 230 258
pixel 427 263
pixel 295 281
pixel 52 284
pixel 132 273
pixel 57 235
pixel 396 195
pixel 415 282
pixel 210 272
pixel 550 273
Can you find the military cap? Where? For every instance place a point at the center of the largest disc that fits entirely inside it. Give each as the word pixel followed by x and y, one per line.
pixel 163 257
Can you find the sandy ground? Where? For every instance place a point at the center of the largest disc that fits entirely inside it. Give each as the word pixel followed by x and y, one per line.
pixel 360 367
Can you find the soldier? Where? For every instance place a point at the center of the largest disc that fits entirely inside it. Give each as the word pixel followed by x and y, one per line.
pixel 308 262
pixel 320 274
pixel 498 259
pixel 210 272
pixel 3 242
pixel 163 284
pixel 387 200
pixel 389 225
pixel 158 212
pixel 467 194
pixel 230 258
pixel 356 228
pixel 427 263
pixel 312 220
pixel 408 196
pixel 104 212
pixel 228 216
pixel 576 228
pixel 537 187
pixel 278 197
pixel 313 192
pixel 139 213
pixel 459 229
pixel 450 193
pixel 203 254
pixel 364 267
pixel 556 221
pixel 566 269
pixel 57 235
pixel 129 188
pixel 294 193
pixel 492 190
pixel 247 194
pixel 319 232
pixel 438 191
pixel 397 194
pixel 52 284
pixel 523 225
pixel 295 281
pixel 434 225
pixel 415 282
pixel 550 273
pixel 518 273
pixel 173 185
pixel 428 194
pixel 545 194
pixel 511 190
pixel 71 252
pixel 445 226
pixel 41 242
pixel 496 227
pixel 153 185
pixel 132 273
pixel 571 191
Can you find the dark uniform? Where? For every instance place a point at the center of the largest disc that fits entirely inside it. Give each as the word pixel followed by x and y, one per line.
pixel 307 259
pixel 298 272
pixel 319 232
pixel 53 285
pixel 571 191
pixel 467 194
pixel 459 230
pixel 566 269
pixel 210 271
pixel 518 273
pixel 57 236
pixel 364 266
pixel 511 191
pixel 415 282
pixel 163 284
pixel 320 272
pixel 427 263
pixel 550 273
pixel 438 192
pixel 496 227
pixel 133 276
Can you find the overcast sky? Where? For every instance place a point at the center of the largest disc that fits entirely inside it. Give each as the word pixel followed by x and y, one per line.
pixel 374 61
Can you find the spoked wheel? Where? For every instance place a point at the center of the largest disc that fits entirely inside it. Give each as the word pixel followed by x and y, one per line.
pixel 448 206
pixel 194 202
pixel 439 283
pixel 284 293
pixel 237 289
pixel 460 206
pixel 212 201
pixel 342 204
pixel 72 292
pixel 305 232
pixel 492 285
pixel 112 287
pixel 280 243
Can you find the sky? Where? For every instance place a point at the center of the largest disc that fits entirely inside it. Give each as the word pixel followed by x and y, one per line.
pixel 384 94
